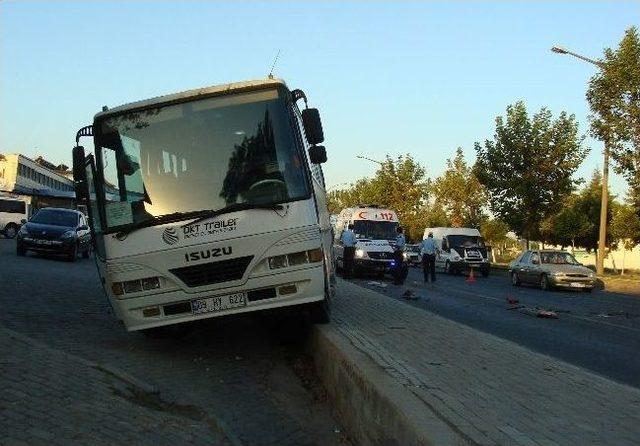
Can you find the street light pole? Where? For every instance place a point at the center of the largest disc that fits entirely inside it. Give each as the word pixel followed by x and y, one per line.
pixel 604 201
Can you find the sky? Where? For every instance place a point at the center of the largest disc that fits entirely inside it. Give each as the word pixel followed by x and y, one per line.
pixel 388 78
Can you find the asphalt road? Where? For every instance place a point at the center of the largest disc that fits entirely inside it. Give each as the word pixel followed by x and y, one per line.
pixel 250 372
pixel 598 331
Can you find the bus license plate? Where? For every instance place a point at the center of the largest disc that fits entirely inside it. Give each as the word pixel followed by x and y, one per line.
pixel 218 303
pixel 577 285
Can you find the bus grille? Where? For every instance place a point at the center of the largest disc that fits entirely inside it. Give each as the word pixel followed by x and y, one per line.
pixel 212 272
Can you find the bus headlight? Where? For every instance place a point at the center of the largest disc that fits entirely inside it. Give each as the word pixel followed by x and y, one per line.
pixel 296 258
pixel 359 253
pixel 135 286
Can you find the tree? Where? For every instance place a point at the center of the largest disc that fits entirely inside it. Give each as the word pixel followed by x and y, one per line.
pixel 568 225
pixel 587 203
pixel 528 166
pixel 494 232
pixel 614 98
pixel 459 193
pixel 625 227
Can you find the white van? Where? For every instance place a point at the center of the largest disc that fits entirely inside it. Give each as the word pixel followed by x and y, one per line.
pixel 375 229
pixel 460 249
pixel 12 212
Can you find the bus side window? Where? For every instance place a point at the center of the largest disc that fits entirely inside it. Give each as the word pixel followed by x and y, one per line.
pixel 444 244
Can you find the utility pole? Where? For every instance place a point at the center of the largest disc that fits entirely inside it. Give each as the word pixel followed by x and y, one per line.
pixel 604 201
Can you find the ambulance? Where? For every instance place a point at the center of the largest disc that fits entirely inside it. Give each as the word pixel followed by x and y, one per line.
pixel 375 230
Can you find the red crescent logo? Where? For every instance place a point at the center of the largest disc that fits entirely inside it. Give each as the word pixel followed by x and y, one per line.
pixel 360 215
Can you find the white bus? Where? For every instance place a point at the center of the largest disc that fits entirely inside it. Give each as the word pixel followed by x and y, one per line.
pixel 12 212
pixel 207 203
pixel 375 230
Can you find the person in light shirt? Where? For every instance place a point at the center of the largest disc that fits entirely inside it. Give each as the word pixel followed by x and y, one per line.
pixel 348 240
pixel 428 250
pixel 398 256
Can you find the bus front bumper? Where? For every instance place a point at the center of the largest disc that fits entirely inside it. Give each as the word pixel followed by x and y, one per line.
pixel 273 291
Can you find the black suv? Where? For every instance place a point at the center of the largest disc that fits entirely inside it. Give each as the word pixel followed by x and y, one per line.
pixel 56 231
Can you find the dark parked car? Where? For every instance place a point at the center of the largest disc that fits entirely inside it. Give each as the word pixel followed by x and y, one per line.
pixel 549 269
pixel 56 231
pixel 412 255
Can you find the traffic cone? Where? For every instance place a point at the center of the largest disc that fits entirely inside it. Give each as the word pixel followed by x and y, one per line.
pixel 471 278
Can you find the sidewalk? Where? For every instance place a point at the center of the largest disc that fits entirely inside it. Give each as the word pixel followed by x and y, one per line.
pixel 489 390
pixel 49 397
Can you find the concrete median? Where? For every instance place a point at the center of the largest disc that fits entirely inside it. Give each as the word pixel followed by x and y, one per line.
pixel 374 408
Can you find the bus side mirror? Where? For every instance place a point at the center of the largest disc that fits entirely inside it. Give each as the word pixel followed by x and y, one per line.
pixel 317 155
pixel 79 174
pixel 312 126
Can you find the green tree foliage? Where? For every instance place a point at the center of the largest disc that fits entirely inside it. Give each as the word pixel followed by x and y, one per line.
pixel 568 225
pixel 625 226
pixel 400 184
pixel 578 222
pixel 459 193
pixel 528 166
pixel 494 232
pixel 588 204
pixel 614 97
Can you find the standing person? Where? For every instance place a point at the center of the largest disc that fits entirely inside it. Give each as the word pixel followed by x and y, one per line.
pixel 348 240
pixel 398 256
pixel 428 250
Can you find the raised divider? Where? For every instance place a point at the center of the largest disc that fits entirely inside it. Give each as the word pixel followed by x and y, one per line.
pixel 372 407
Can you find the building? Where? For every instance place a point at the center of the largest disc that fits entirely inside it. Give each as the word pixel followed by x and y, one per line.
pixel 39 182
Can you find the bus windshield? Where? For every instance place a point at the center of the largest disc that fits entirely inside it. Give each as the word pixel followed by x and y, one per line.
pixel 200 155
pixel 375 230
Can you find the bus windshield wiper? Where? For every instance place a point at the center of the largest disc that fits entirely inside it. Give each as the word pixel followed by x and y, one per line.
pixel 211 213
pixel 158 220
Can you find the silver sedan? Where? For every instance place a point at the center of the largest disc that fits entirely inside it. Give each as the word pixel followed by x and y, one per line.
pixel 549 269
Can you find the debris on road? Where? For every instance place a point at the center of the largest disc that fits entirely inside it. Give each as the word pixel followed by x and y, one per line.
pixel 547 314
pixel 539 312
pixel 409 295
pixel 378 284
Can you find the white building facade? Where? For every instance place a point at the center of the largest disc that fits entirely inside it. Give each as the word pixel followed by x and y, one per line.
pixel 24 178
